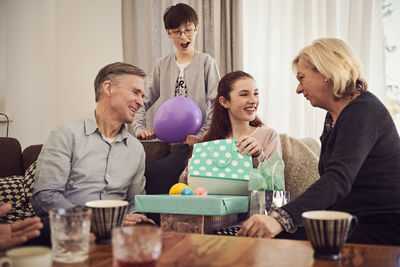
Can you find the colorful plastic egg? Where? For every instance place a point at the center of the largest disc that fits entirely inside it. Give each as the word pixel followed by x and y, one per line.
pixel 187 191
pixel 200 191
pixel 177 188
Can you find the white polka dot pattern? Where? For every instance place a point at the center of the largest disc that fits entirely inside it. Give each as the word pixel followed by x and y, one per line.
pixel 219 159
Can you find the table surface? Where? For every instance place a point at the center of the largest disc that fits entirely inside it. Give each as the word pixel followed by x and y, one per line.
pixel 181 249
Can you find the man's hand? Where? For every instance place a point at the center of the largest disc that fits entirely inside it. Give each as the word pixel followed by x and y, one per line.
pixel 192 139
pixel 13 234
pixel 134 218
pixel 146 135
pixel 260 226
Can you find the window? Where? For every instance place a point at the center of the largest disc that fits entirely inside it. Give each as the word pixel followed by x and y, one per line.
pixel 391 22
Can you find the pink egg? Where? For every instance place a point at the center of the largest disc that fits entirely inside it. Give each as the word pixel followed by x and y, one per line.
pixel 200 191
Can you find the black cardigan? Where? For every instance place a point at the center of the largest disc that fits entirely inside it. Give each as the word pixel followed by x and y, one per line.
pixel 359 164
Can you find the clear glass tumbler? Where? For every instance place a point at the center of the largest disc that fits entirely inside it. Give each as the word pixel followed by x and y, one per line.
pixel 279 198
pixel 70 231
pixel 257 202
pixel 135 246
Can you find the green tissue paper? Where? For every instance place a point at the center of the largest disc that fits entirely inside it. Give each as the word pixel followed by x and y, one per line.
pixel 269 175
pixel 256 180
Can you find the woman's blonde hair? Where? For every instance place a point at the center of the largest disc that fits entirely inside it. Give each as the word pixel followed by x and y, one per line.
pixel 335 60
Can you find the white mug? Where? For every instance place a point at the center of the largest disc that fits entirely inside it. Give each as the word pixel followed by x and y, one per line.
pixel 27 256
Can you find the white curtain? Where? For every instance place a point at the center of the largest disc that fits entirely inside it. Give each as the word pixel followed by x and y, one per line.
pixel 276 31
pixel 145 40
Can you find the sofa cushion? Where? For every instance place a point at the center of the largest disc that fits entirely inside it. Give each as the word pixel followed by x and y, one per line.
pixel 10 157
pixel 30 155
pixel 301 158
pixel 155 149
pixel 12 191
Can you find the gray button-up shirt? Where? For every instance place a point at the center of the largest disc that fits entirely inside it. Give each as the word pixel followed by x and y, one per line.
pixel 77 164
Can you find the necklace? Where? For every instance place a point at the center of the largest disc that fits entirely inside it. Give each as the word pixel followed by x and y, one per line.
pixel 330 124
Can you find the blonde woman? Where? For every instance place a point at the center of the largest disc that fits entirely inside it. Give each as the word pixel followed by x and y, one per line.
pixel 360 155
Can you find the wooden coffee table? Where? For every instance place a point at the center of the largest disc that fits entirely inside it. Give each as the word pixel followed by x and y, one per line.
pixel 180 249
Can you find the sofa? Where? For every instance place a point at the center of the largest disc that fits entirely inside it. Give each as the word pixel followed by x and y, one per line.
pixel 17 169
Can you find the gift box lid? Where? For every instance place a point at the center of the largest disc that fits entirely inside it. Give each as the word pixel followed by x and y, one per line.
pixel 194 205
pixel 219 159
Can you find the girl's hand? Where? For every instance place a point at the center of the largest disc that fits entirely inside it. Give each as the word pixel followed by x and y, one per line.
pixel 249 145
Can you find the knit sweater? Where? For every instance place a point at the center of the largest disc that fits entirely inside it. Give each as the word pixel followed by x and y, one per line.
pixel 201 79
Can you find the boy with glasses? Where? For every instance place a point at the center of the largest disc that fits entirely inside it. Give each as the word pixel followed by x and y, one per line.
pixel 186 72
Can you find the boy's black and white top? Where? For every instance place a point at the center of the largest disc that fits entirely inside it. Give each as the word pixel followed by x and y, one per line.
pixel 180 87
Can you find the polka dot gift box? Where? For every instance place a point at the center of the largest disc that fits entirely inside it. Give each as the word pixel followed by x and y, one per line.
pixel 220 168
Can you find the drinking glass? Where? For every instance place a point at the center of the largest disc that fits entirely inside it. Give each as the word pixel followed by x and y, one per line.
pixel 70 231
pixel 279 198
pixel 135 246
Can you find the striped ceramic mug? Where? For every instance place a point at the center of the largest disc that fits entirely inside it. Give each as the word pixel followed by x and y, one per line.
pixel 327 231
pixel 106 215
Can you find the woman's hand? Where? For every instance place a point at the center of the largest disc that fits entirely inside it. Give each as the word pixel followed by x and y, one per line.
pixel 249 145
pixel 260 226
pixel 13 234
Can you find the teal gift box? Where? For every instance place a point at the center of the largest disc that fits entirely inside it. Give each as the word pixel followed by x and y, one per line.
pixel 193 214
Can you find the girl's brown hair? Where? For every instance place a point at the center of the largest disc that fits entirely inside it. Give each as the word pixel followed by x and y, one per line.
pixel 220 126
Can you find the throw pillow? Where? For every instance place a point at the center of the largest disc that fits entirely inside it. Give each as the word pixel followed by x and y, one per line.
pixel 12 191
pixel 29 183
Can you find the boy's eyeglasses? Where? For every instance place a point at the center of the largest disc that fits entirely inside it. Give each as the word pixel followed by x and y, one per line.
pixel 187 32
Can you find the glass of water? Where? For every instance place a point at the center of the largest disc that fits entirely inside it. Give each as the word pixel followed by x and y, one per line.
pixel 70 231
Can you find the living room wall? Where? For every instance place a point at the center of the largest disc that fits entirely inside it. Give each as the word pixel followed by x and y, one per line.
pixel 50 53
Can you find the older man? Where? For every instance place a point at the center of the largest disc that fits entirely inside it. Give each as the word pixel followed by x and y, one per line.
pixel 96 158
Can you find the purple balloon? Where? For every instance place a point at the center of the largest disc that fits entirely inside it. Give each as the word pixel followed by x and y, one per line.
pixel 177 118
